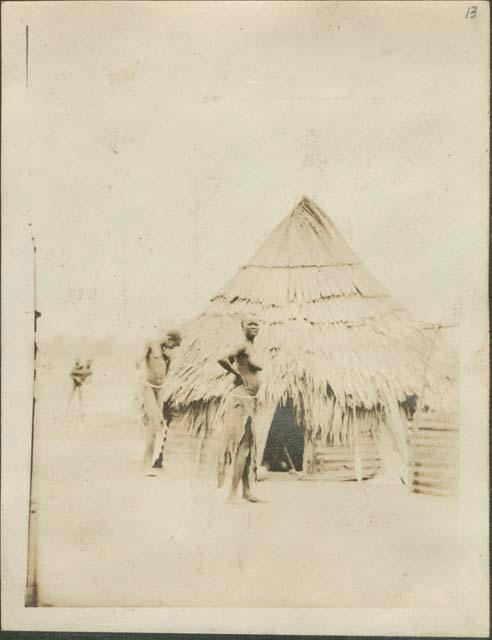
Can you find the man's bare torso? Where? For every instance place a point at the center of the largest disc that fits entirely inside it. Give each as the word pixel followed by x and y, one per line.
pixel 248 366
pixel 157 363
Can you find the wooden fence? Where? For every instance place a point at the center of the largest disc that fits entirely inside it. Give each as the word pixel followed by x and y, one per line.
pixel 434 460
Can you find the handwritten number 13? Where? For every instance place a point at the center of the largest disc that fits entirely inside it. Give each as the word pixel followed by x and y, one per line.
pixel 471 12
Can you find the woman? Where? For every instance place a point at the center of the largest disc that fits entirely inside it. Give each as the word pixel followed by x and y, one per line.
pixel 239 441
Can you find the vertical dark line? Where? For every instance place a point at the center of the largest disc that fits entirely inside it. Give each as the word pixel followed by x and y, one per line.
pixel 490 290
pixel 31 599
pixel 1 279
pixel 27 54
pixel 35 350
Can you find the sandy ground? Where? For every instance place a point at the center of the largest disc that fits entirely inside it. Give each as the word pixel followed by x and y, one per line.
pixel 107 536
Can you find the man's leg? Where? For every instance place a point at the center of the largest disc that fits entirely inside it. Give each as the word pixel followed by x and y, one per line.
pixel 158 461
pixel 247 495
pixel 81 404
pixel 161 442
pixel 162 436
pixel 158 450
pixel 148 451
pixel 237 473
pixel 70 400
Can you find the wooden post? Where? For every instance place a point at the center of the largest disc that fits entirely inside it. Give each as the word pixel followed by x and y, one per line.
pixel 202 448
pixel 308 458
pixel 32 595
pixel 357 455
pixel 289 459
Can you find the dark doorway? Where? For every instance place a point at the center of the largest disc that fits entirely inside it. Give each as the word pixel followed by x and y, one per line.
pixel 285 443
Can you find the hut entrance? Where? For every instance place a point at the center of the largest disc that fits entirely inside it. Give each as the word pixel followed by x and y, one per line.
pixel 284 447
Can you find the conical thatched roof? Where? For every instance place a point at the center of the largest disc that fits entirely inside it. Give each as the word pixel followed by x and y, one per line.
pixel 331 337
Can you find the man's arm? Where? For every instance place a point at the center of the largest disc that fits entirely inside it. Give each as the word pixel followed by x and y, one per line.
pixel 227 362
pixel 167 359
pixel 143 359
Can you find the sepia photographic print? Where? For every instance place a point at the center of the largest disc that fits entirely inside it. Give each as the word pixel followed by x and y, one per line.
pixel 245 317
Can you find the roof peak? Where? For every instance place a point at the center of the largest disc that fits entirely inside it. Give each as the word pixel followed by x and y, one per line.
pixel 305 236
pixel 305 201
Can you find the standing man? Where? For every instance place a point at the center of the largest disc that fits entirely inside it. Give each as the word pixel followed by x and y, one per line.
pixel 239 439
pixel 78 376
pixel 156 361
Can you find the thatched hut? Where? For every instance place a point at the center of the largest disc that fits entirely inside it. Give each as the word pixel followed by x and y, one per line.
pixel 337 348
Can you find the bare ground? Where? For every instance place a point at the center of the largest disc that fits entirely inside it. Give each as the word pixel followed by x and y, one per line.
pixel 108 536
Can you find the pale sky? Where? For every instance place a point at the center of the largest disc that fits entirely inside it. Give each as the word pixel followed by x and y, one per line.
pixel 157 144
